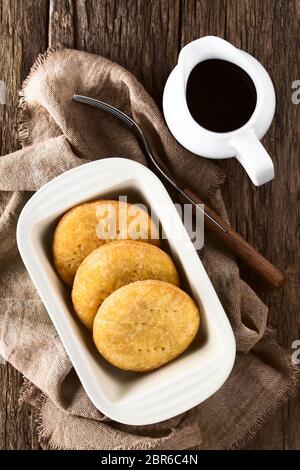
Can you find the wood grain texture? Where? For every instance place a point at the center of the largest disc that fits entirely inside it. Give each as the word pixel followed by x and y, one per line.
pixel 141 35
pixel 61 23
pixel 23 34
pixel 145 36
pixel 243 251
pixel 268 216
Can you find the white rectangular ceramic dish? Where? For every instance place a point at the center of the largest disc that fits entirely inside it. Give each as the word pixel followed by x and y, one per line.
pixel 129 398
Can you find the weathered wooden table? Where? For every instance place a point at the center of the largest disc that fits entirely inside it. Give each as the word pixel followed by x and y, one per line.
pixel 145 36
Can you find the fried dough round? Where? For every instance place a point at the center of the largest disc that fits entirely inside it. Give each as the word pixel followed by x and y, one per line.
pixel 144 325
pixel 87 226
pixel 112 266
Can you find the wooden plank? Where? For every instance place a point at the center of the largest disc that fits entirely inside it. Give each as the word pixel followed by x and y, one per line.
pixel 268 216
pixel 88 26
pixel 62 23
pixel 23 32
pixel 143 36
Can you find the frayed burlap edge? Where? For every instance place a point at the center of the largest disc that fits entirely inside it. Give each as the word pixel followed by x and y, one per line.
pixel 287 392
pixel 24 140
pixel 38 403
pixel 23 114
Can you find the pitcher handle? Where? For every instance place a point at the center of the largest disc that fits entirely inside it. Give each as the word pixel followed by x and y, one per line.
pixel 253 156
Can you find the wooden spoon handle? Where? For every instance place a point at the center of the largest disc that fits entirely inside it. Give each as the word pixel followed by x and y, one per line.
pixel 239 246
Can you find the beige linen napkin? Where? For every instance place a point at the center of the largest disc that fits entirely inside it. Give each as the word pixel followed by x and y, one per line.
pixel 56 135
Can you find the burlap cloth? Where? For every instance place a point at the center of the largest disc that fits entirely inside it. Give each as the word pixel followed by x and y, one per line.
pixel 57 134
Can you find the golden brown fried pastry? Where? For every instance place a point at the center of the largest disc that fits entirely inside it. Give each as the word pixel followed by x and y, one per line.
pixel 144 325
pixel 112 266
pixel 92 224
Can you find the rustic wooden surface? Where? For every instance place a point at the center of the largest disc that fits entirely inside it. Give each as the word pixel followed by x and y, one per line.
pixel 145 36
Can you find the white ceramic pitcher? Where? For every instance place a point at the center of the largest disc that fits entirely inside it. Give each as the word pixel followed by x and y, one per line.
pixel 242 143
